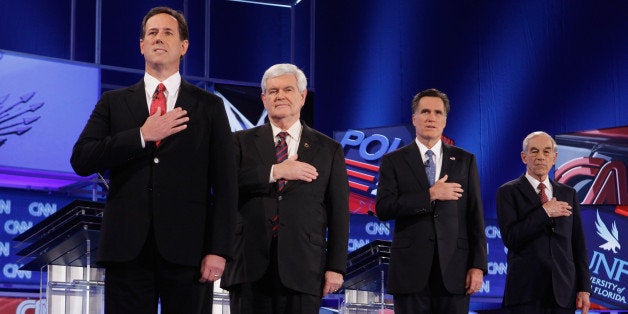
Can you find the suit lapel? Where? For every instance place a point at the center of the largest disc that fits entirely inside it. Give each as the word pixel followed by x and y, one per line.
pixel 265 144
pixel 136 103
pixel 185 99
pixel 308 146
pixel 448 161
pixel 412 156
pixel 558 193
pixel 527 190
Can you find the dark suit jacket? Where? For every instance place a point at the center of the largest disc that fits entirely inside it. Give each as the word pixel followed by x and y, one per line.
pixel 543 253
pixel 170 187
pixel 456 226
pixel 307 212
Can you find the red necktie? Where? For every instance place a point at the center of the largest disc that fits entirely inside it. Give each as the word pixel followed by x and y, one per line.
pixel 159 101
pixel 542 194
pixel 281 152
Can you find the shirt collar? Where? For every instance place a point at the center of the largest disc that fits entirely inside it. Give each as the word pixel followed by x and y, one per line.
pixel 535 183
pixel 172 83
pixel 294 131
pixel 437 148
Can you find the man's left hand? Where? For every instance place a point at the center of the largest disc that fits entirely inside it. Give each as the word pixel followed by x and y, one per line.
pixel 473 281
pixel 583 302
pixel 212 267
pixel 333 282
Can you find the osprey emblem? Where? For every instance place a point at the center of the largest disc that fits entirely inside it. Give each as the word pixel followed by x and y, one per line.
pixel 611 237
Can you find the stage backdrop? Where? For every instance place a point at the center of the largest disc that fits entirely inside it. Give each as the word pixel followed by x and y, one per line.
pixel 594 162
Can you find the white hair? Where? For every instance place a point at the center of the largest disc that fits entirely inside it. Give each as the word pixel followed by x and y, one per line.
pixel 532 135
pixel 283 69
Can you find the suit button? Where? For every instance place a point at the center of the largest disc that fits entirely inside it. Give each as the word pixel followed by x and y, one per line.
pixel 280 197
pixel 156 160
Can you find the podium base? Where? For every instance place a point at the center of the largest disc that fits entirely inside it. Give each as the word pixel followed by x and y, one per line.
pixel 72 289
pixel 366 302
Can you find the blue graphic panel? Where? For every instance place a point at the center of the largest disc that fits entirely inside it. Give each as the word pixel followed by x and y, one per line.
pixel 605 230
pixel 365 229
pixel 363 152
pixel 495 279
pixel 44 105
pixel 19 211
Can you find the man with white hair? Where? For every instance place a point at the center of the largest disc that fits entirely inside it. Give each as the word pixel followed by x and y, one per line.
pixel 293 228
pixel 541 227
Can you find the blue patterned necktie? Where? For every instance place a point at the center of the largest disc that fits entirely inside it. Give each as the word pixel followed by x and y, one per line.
pixel 430 167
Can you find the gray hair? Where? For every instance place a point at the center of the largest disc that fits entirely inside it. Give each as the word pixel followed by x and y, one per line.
pixel 532 135
pixel 283 69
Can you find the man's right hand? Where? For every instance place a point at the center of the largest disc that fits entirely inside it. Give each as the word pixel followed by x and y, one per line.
pixel 556 208
pixel 157 127
pixel 445 191
pixel 292 169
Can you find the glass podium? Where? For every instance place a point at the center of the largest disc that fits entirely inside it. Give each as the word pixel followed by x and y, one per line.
pixel 365 281
pixel 62 248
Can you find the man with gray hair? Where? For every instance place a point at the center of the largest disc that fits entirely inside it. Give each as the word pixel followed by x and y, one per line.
pixel 541 227
pixel 293 226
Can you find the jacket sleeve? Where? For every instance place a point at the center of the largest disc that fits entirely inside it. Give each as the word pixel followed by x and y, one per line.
pixel 475 221
pixel 583 281
pixel 224 186
pixel 98 148
pixel 337 199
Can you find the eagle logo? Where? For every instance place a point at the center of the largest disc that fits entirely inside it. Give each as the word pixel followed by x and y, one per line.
pixel 611 237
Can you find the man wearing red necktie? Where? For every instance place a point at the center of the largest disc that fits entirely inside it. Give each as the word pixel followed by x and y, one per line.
pixel 168 222
pixel 541 227
pixel 293 228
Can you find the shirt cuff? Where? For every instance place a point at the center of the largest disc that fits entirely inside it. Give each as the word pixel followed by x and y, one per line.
pixel 270 178
pixel 142 139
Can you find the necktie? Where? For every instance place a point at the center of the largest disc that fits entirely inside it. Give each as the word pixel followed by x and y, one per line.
pixel 430 167
pixel 159 101
pixel 542 194
pixel 281 152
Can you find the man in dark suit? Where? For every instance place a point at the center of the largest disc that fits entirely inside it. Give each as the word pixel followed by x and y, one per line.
pixel 438 256
pixel 293 228
pixel 541 227
pixel 168 219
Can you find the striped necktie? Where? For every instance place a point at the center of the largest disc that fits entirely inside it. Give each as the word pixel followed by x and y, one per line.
pixel 281 152
pixel 542 194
